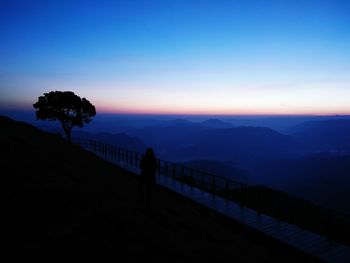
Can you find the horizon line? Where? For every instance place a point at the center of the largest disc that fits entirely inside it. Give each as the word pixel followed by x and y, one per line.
pixel 133 113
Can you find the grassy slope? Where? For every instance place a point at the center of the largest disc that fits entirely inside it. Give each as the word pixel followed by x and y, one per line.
pixel 64 203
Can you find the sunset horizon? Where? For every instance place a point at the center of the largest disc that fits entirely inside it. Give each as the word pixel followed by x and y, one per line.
pixel 160 57
pixel 126 112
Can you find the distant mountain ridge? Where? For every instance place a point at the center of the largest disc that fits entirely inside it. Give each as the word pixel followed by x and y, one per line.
pixel 328 135
pixel 325 126
pixel 216 123
pixel 239 143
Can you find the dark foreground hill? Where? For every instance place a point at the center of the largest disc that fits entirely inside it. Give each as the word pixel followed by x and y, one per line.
pixel 62 203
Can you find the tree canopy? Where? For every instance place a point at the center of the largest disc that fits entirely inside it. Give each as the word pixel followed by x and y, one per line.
pixel 66 107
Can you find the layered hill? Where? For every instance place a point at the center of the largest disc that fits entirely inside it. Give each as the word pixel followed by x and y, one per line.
pixel 324 136
pixel 120 139
pixel 62 203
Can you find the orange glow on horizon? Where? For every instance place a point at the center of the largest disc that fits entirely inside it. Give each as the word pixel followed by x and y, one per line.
pixel 185 111
pixel 101 107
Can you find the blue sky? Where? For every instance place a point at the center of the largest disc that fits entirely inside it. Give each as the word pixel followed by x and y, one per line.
pixel 195 57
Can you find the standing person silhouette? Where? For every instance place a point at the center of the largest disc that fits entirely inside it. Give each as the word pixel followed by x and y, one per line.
pixel 148 168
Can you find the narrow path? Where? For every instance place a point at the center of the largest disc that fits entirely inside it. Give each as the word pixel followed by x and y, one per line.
pixel 309 242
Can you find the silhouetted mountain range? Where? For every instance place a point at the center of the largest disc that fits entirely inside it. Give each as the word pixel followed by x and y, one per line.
pixel 216 124
pixel 241 144
pixel 166 136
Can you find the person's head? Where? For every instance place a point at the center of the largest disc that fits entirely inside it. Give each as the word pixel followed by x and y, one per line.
pixel 149 152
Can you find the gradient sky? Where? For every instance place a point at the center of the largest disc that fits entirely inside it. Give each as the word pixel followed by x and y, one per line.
pixel 195 57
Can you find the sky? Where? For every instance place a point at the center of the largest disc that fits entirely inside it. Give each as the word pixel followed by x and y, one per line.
pixel 179 57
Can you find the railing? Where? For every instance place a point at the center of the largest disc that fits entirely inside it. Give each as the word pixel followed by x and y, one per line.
pixel 327 222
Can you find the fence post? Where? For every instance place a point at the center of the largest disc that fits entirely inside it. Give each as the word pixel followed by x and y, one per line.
pixel 174 171
pixel 135 159
pixel 182 176
pixel 137 163
pixel 258 201
pixel 158 169
pixel 301 216
pixel 227 184
pixel 166 169
pixel 131 159
pixel 242 196
pixel 213 185
pixel 202 182
pixel 279 210
pixel 191 178
pixel 329 226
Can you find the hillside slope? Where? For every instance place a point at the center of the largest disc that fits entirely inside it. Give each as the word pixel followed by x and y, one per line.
pixel 64 203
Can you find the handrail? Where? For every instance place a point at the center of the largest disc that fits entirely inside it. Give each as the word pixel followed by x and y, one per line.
pixel 218 185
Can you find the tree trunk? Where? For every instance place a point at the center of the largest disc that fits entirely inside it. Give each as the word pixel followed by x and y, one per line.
pixel 68 134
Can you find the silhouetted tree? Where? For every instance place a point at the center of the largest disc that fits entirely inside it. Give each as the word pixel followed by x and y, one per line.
pixel 65 107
